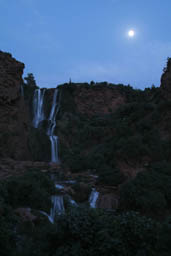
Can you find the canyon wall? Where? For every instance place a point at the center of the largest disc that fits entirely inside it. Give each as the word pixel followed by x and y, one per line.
pixel 14 123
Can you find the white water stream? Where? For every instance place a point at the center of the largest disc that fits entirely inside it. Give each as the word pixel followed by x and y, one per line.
pixel 57 208
pixel 38 107
pixel 38 116
pixel 51 128
pixel 22 91
pixel 93 198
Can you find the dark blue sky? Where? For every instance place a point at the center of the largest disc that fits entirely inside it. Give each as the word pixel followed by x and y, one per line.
pixel 87 39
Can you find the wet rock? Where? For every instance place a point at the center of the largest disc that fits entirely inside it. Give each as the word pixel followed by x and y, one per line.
pixel 107 201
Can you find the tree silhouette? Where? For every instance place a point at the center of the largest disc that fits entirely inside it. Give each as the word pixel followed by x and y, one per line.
pixel 30 80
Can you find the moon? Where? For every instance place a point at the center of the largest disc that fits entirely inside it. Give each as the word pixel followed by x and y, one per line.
pixel 131 33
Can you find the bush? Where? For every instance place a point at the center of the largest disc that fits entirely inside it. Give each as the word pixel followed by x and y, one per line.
pixel 96 233
pixel 149 192
pixel 82 192
pixel 32 190
pixel 111 177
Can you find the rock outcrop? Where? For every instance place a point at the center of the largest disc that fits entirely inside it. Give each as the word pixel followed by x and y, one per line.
pixel 90 100
pixel 13 114
pixel 97 100
pixel 107 201
pixel 166 79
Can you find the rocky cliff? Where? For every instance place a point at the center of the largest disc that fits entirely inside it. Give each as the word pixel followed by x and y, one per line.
pixel 119 134
pixel 13 115
pixel 166 79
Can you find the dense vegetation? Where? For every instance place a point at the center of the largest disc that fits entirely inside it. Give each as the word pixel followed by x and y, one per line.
pixel 137 135
pixel 92 232
pixel 129 149
pixel 81 231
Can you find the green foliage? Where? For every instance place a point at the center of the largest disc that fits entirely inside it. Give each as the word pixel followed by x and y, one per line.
pixel 165 238
pixel 97 233
pixel 81 231
pixel 33 190
pixel 7 235
pixel 67 104
pixel 30 80
pixel 82 192
pixel 149 192
pixel 111 177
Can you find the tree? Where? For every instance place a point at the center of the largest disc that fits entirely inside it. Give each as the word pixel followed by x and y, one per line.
pixel 30 81
pixel 92 83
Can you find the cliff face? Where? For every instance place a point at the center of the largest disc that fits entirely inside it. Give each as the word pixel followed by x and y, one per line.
pixel 90 100
pixel 166 80
pixel 13 115
pixel 112 131
pixel 98 100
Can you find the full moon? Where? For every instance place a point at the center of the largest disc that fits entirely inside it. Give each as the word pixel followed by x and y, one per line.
pixel 131 33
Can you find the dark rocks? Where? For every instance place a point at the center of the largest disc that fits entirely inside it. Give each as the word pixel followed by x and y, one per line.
pixel 13 115
pixel 107 201
pixel 39 145
pixel 10 78
pixel 9 167
pixel 94 102
pixel 166 80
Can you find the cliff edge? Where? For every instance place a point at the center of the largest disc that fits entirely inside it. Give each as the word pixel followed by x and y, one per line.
pixel 13 115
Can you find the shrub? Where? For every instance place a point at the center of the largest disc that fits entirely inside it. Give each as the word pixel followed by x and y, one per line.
pixel 30 190
pixel 97 233
pixel 112 177
pixel 148 192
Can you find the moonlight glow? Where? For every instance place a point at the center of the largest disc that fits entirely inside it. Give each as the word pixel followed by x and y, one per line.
pixel 131 33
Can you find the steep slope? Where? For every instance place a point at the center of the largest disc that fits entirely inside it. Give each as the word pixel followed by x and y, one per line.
pixel 127 144
pixel 119 134
pixel 13 115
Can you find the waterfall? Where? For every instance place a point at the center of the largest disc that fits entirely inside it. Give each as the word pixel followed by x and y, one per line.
pixel 54 104
pixel 51 128
pixel 93 198
pixel 54 148
pixel 57 207
pixel 38 107
pixel 72 202
pixel 58 186
pixel 38 116
pixel 22 90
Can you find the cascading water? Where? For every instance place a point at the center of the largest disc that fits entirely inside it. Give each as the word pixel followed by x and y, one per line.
pixel 51 128
pixel 93 198
pixel 57 208
pixel 22 90
pixel 54 148
pixel 38 116
pixel 72 202
pixel 38 107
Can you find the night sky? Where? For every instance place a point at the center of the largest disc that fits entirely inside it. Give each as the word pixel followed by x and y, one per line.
pixel 88 39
